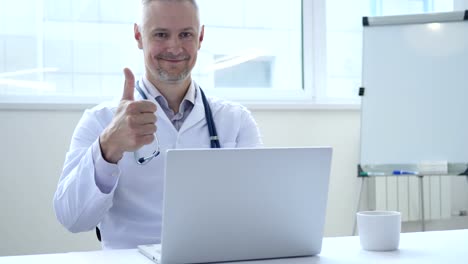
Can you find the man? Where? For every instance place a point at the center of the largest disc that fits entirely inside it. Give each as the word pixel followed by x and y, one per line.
pixel 101 184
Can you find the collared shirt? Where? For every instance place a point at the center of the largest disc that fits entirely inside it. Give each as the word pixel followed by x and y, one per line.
pixel 186 106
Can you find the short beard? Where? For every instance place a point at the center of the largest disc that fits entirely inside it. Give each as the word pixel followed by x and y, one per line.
pixel 165 76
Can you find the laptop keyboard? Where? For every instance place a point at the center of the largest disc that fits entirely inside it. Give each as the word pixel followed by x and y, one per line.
pixel 153 252
pixel 157 248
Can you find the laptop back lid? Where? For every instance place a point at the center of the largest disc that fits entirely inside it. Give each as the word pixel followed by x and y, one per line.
pixel 241 204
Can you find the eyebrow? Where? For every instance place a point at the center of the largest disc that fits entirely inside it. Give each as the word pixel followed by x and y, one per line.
pixel 159 30
pixel 166 30
pixel 188 29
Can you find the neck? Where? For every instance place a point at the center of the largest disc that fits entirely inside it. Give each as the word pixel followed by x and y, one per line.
pixel 174 92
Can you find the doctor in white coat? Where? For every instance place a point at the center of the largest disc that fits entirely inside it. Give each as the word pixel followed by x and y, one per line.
pixel 101 184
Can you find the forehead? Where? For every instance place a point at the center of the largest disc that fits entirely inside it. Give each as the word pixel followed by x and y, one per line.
pixel 171 15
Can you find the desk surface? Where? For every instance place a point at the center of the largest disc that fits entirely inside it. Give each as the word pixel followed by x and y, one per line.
pixel 422 247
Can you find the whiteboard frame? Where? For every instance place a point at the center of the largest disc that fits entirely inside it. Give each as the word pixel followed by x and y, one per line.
pixel 455 167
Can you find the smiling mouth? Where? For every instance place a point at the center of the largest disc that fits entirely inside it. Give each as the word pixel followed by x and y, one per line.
pixel 172 60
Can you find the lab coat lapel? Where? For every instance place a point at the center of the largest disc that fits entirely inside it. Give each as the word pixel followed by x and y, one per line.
pixel 196 115
pixel 162 116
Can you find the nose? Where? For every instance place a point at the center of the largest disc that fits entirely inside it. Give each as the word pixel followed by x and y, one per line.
pixel 174 45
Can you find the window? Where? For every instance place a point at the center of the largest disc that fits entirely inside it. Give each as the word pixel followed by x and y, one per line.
pixel 228 77
pixel 254 50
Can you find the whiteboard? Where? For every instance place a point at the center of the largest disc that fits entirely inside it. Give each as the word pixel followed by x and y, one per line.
pixel 415 76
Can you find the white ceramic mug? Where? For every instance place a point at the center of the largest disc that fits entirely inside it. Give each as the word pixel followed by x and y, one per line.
pixel 379 230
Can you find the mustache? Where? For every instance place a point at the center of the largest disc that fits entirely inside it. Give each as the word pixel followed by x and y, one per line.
pixel 170 56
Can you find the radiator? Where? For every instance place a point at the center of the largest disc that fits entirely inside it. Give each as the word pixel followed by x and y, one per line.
pixel 402 193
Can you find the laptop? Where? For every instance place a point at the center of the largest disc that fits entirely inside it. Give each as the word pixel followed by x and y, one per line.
pixel 242 204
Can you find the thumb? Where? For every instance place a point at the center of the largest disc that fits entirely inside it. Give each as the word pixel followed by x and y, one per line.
pixel 129 85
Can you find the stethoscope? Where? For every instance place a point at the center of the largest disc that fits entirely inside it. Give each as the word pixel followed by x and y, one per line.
pixel 214 140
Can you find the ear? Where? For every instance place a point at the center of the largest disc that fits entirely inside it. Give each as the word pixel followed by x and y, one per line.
pixel 202 35
pixel 137 35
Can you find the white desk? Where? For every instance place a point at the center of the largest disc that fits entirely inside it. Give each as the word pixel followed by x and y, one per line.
pixel 426 247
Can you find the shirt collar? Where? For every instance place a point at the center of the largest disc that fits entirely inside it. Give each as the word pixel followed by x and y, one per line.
pixel 154 92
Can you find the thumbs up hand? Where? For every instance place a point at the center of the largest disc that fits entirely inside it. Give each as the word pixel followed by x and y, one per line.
pixel 129 85
pixel 133 125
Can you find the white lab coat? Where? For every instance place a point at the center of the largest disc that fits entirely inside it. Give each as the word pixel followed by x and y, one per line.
pixel 130 214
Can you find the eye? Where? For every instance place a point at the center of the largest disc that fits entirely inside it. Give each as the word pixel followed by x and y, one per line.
pixel 185 35
pixel 160 35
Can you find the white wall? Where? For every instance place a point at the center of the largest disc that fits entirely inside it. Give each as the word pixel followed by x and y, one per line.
pixel 460 4
pixel 33 144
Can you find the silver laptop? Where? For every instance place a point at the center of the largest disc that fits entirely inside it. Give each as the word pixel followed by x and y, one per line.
pixel 242 204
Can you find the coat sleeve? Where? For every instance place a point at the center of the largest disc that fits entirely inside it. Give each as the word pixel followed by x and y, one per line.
pixel 79 202
pixel 249 133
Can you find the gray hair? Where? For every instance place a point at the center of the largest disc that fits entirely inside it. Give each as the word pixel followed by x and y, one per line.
pixel 144 3
pixel 193 2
